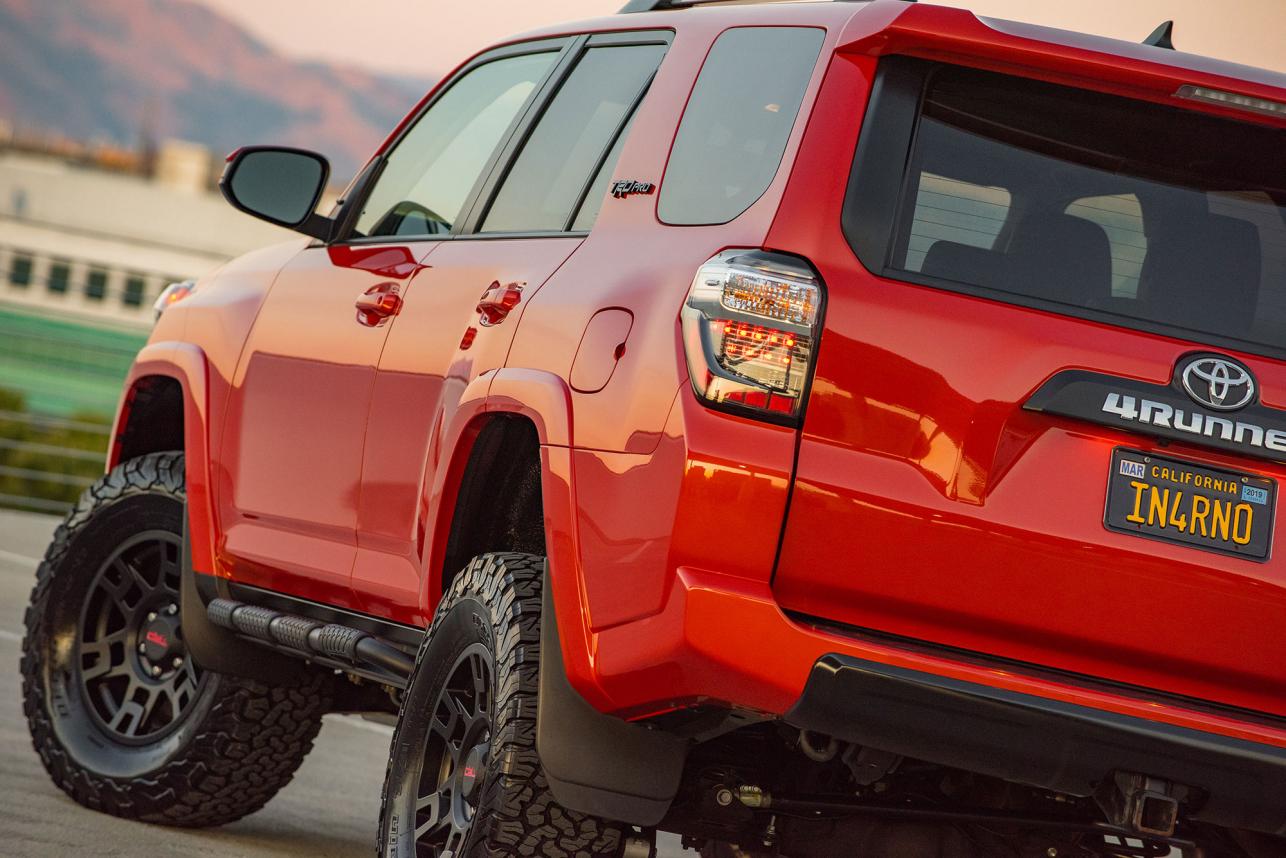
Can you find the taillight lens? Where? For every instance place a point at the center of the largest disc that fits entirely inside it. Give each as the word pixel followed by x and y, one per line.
pixel 750 328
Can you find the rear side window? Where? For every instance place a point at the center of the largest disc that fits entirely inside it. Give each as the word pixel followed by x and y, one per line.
pixel 572 140
pixel 1088 204
pixel 734 130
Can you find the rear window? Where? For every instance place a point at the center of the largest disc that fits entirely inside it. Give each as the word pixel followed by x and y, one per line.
pixel 734 130
pixel 1086 203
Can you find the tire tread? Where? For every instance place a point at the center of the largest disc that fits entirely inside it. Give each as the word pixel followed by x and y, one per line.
pixel 252 739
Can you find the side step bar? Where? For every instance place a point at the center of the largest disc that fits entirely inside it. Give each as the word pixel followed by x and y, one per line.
pixel 329 643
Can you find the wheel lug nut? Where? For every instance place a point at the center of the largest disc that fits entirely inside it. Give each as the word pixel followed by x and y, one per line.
pixel 156 670
pixel 151 615
pixel 178 662
pixel 142 647
pixel 172 610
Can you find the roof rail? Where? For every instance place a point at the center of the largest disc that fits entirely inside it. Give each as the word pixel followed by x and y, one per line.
pixel 662 5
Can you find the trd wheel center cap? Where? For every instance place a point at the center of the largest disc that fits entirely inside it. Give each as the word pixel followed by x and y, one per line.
pixel 160 639
pixel 472 770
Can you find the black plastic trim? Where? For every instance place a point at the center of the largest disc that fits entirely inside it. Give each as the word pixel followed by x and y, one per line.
pixel 597 763
pixel 1041 672
pixel 1038 741
pixel 1082 394
pixel 879 172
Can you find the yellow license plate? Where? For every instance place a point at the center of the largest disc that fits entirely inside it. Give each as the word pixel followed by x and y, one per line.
pixel 1176 501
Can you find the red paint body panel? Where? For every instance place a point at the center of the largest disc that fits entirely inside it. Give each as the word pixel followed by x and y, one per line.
pixel 422 379
pixel 917 500
pixel 308 372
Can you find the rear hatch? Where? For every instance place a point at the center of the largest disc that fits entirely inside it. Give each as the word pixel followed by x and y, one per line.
pixel 1047 423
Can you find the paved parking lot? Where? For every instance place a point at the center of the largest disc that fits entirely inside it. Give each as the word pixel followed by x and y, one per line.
pixel 329 811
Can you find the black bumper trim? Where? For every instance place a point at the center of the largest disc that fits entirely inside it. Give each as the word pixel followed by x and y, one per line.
pixel 1038 741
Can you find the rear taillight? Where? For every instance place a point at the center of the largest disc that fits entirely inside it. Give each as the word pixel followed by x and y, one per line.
pixel 750 328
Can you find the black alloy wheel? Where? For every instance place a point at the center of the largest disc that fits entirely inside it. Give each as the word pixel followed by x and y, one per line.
pixel 123 718
pixel 457 750
pixel 134 671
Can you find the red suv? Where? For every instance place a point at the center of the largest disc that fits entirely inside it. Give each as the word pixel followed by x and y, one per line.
pixel 814 429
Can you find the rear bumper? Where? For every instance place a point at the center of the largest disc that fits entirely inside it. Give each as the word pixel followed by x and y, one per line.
pixel 724 639
pixel 1053 744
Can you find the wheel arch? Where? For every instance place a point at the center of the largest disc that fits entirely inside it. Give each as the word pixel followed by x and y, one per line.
pixel 164 406
pixel 542 401
pixel 520 430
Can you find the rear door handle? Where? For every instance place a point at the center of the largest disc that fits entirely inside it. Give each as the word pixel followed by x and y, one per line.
pixel 378 303
pixel 497 301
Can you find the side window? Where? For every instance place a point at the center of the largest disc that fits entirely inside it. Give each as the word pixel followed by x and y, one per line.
pixel 1121 217
pixel 734 130
pixel 598 188
pixel 573 140
pixel 429 175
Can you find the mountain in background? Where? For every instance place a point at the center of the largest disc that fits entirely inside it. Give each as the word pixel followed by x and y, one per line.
pixel 123 70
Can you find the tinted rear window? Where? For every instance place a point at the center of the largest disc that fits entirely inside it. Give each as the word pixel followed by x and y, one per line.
pixel 734 130
pixel 1096 204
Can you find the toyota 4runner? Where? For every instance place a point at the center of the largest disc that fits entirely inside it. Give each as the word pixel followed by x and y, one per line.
pixel 818 429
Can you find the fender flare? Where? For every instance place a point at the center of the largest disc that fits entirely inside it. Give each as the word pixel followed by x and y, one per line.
pixel 186 364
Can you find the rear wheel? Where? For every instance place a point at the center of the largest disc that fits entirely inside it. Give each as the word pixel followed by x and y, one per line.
pixel 464 778
pixel 122 717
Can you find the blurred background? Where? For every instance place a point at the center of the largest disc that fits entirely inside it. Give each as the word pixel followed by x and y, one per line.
pixel 115 116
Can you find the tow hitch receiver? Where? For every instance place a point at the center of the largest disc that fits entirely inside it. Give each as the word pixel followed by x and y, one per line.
pixel 1140 803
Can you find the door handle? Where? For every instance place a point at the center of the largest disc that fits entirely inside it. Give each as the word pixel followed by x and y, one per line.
pixel 378 303
pixel 497 301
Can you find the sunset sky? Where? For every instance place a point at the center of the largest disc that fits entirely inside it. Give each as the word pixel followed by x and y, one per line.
pixel 427 37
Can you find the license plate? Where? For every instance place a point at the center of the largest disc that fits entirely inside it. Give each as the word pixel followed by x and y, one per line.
pixel 1219 510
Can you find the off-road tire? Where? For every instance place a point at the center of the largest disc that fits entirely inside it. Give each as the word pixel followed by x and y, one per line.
pixel 226 752
pixel 494 605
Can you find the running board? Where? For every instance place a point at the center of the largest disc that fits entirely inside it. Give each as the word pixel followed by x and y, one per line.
pixel 328 643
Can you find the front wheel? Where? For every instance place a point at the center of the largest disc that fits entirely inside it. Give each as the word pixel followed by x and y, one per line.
pixel 464 779
pixel 124 720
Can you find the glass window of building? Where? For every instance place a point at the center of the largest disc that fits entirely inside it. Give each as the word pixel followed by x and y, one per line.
pixel 59 277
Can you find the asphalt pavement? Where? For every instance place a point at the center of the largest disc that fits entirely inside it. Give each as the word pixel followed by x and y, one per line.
pixel 330 810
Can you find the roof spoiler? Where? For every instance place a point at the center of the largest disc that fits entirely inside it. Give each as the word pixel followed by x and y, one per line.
pixel 952 35
pixel 665 5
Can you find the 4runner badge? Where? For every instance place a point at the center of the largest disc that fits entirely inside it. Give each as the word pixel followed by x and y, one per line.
pixel 624 187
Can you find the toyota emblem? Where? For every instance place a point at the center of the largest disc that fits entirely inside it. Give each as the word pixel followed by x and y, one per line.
pixel 1219 383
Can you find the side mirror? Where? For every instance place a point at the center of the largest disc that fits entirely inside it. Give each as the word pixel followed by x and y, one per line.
pixel 279 185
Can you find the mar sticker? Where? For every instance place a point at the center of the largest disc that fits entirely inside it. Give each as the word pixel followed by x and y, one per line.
pixel 1133 469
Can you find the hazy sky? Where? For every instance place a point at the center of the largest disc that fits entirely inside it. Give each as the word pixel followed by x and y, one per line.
pixel 426 37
